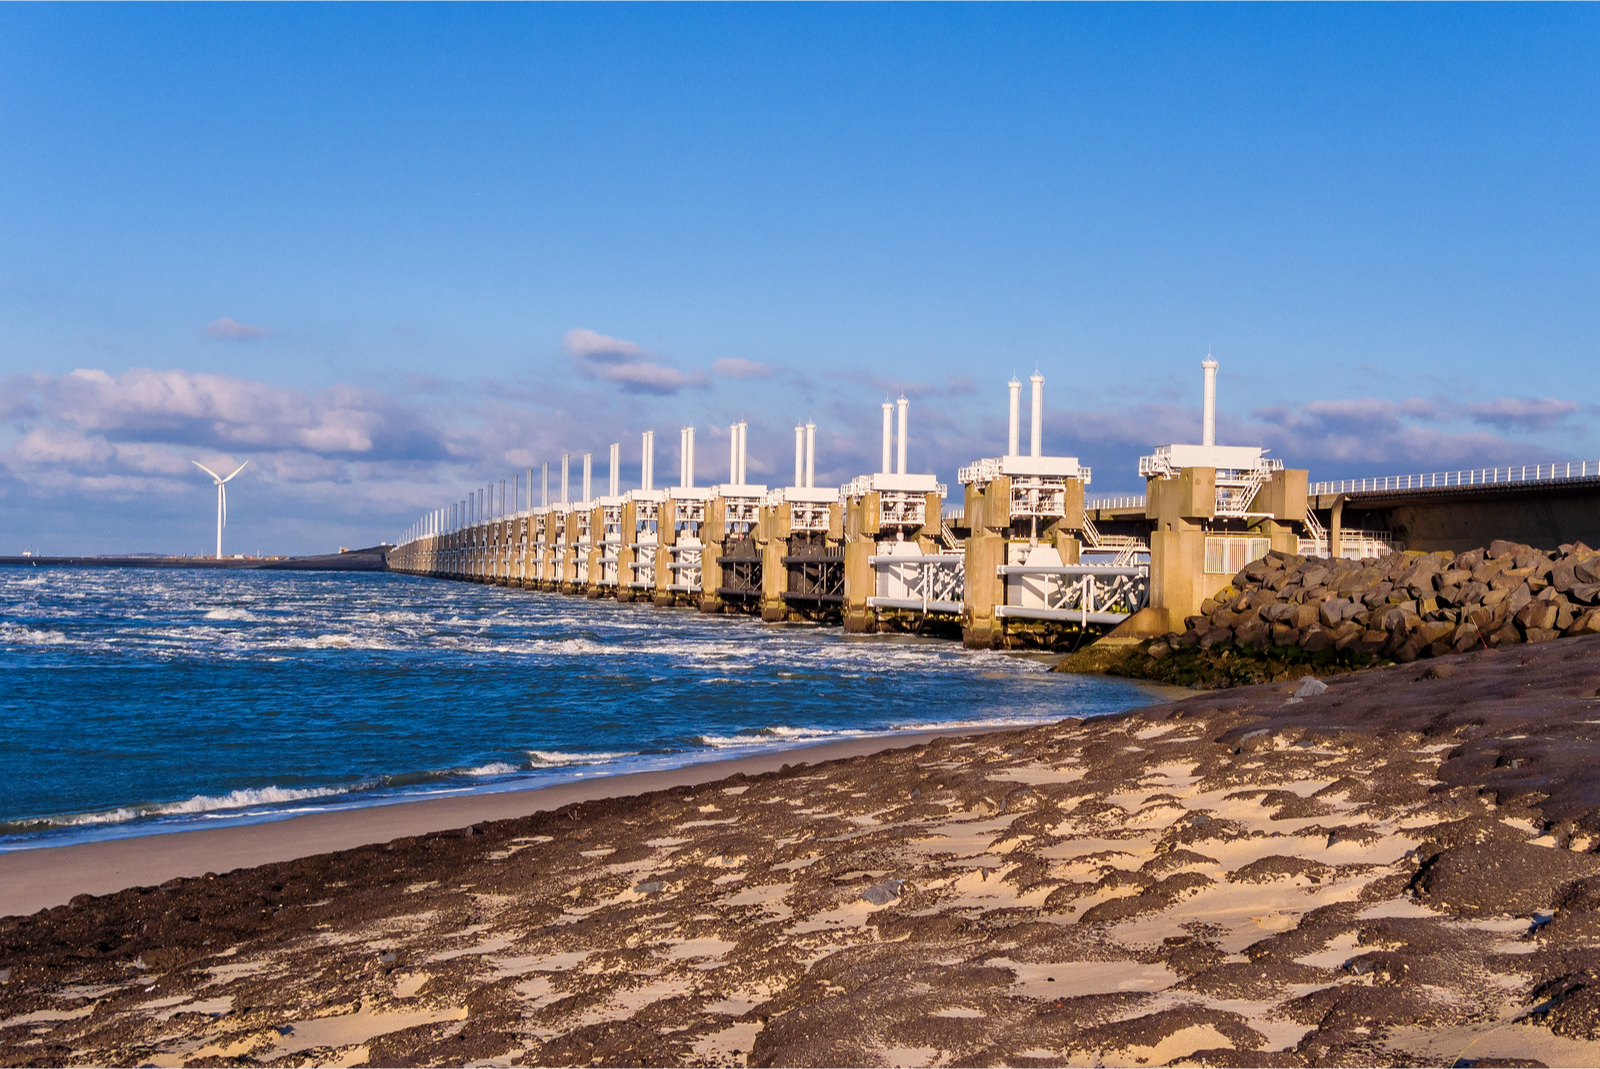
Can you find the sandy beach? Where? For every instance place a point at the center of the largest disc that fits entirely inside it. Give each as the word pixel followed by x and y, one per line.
pixel 1399 869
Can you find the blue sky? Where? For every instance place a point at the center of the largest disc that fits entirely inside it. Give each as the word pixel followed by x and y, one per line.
pixel 390 253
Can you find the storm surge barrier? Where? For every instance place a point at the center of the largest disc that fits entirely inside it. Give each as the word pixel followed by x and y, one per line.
pixel 1024 560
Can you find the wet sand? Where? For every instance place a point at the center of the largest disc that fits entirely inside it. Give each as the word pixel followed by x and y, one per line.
pixel 1398 870
pixel 31 880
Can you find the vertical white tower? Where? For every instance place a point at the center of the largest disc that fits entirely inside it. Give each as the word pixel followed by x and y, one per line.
pixel 799 455
pixel 688 457
pixel 566 459
pixel 744 456
pixel 647 461
pixel 544 486
pixel 900 444
pixel 1014 429
pixel 588 472
pixel 1036 434
pixel 733 453
pixel 888 436
pixel 1208 420
pixel 811 454
pixel 616 463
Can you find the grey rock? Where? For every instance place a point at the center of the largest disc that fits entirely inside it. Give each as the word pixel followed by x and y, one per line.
pixel 649 887
pixel 1310 687
pixel 881 894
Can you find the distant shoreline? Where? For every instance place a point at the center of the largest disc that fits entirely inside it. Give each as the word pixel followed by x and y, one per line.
pixel 371 559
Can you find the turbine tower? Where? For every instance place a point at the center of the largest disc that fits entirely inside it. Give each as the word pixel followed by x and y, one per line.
pixel 222 498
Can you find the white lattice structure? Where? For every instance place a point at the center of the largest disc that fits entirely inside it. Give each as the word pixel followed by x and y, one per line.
pixel 906 578
pixel 1074 593
pixel 610 541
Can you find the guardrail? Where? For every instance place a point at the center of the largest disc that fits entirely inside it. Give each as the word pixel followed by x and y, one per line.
pixel 1525 473
pixel 1130 501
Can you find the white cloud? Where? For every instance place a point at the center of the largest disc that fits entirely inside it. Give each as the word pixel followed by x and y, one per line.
pixel 736 367
pixel 589 345
pixel 625 363
pixel 228 327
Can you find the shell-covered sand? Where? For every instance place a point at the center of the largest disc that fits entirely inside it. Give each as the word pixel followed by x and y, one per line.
pixel 1400 869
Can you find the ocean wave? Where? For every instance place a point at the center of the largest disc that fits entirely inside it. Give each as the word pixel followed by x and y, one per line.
pixel 19 635
pixel 554 758
pixel 776 734
pixel 983 722
pixel 247 798
pixel 493 768
pixel 230 614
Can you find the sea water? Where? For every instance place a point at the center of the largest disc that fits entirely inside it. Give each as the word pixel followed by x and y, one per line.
pixel 140 701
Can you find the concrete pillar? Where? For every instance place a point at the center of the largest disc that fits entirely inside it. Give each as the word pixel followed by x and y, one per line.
pixel 666 536
pixel 983 589
pixel 625 552
pixel 799 455
pixel 862 516
pixel 773 538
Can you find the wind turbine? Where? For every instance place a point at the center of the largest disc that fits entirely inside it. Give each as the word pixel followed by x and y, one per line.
pixel 222 498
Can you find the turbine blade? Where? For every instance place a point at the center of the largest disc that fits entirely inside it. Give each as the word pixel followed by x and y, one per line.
pixel 236 471
pixel 205 469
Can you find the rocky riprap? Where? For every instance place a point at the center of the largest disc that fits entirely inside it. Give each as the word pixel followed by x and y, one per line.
pixel 1286 615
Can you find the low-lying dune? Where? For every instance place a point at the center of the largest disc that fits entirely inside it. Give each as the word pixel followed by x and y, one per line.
pixel 1397 869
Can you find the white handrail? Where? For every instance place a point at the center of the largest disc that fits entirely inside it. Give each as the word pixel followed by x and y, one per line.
pixel 1525 473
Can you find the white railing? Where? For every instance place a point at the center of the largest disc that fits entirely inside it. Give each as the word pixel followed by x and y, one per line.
pixel 925 582
pixel 1076 593
pixel 1355 543
pixel 1129 501
pixel 1526 473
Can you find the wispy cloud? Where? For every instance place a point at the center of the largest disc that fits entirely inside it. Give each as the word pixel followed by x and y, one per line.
pixel 228 327
pixel 625 363
pixel 1522 413
pixel 737 367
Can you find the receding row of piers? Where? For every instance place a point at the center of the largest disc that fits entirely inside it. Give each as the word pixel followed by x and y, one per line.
pixel 1025 561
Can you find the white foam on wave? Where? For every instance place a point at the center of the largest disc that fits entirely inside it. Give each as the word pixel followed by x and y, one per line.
pixel 778 734
pixel 987 722
pixel 19 635
pixel 200 803
pixel 229 614
pixel 493 768
pixel 555 758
